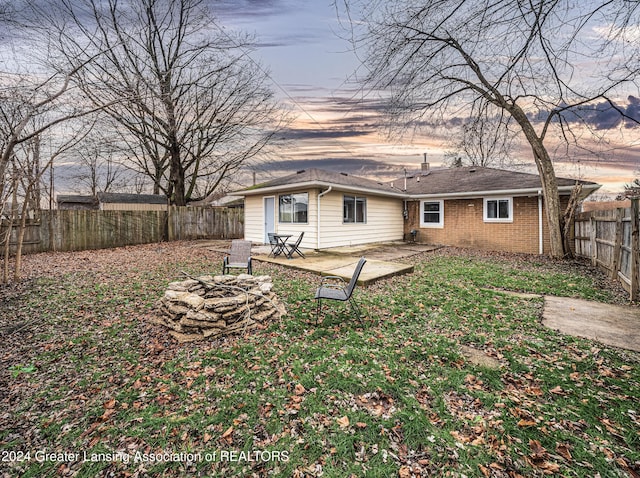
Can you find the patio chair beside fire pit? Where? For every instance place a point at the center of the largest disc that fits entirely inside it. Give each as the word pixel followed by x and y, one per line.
pixel 332 288
pixel 239 257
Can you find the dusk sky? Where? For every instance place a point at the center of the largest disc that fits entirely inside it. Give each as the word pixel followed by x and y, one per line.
pixel 337 124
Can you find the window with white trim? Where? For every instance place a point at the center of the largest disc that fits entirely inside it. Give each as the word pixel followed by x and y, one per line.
pixel 498 209
pixel 292 208
pixel 354 209
pixel 432 213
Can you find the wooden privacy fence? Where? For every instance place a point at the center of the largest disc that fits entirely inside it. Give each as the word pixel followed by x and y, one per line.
pixel 205 223
pixel 82 230
pixel 610 240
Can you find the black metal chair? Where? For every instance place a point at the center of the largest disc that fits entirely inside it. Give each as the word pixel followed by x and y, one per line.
pixel 294 248
pixel 332 288
pixel 239 257
pixel 276 247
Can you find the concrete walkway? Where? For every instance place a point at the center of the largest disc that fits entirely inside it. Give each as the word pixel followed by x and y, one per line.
pixel 616 325
pixel 609 324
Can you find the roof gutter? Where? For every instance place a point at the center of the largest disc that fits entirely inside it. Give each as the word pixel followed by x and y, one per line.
pixel 319 184
pixel 540 222
pixel 318 213
pixel 589 188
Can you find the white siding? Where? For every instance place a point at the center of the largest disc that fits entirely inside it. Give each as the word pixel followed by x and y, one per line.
pixel 384 222
pixel 254 219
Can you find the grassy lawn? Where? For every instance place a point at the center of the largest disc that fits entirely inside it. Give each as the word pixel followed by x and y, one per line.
pixel 89 388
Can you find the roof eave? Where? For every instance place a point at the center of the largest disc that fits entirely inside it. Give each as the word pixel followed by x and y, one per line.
pixel 587 188
pixel 318 184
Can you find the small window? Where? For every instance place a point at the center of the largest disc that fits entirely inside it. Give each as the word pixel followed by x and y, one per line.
pixel 354 209
pixel 293 208
pixel 498 210
pixel 432 214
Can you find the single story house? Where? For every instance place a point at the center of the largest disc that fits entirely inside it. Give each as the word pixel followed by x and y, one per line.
pixel 113 202
pixel 475 207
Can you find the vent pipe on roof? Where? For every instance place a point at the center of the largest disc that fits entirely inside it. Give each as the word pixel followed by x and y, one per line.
pixel 425 165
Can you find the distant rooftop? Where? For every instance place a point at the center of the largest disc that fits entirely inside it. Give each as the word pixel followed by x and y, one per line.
pixel 132 198
pixel 76 199
pixel 123 198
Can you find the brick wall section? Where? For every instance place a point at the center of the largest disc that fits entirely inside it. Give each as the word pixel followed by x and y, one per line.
pixel 464 226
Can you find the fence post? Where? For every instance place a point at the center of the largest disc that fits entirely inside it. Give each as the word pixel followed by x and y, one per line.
pixel 617 250
pixel 593 228
pixel 171 221
pixel 635 247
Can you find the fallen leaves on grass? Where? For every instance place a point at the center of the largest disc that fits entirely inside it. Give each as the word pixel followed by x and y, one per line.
pixel 103 378
pixel 343 422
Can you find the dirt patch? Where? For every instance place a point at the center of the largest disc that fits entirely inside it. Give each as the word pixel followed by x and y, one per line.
pixel 615 325
pixel 478 357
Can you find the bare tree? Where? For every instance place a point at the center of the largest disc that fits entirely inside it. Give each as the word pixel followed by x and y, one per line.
pixel 25 200
pixel 97 168
pixel 28 109
pixel 631 189
pixel 484 139
pixel 28 164
pixel 100 172
pixel 532 60
pixel 191 106
pixel 33 101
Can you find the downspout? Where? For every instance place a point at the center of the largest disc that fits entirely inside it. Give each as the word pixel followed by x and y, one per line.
pixel 540 231
pixel 318 229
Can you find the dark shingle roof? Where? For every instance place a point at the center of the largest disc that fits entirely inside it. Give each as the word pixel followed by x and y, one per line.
pixel 476 179
pixel 113 198
pixel 455 182
pixel 76 199
pixel 132 198
pixel 323 177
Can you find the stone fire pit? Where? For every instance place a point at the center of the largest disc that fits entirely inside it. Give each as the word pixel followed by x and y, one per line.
pixel 213 306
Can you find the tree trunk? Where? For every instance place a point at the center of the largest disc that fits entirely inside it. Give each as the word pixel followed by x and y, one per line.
pixel 7 245
pixel 547 179
pixel 177 177
pixel 568 218
pixel 12 216
pixel 552 204
pixel 17 269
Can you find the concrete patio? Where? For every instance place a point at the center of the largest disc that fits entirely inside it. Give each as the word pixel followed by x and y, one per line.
pixel 381 259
